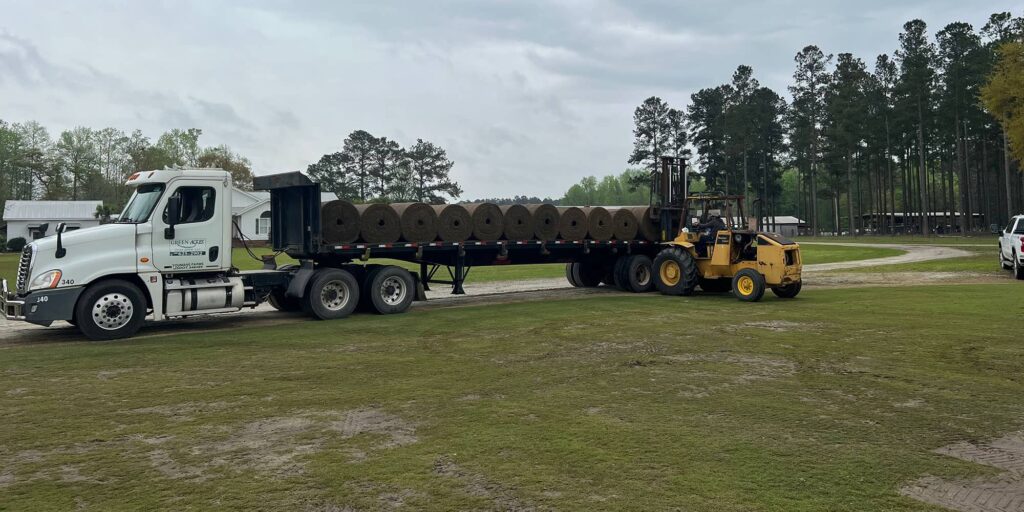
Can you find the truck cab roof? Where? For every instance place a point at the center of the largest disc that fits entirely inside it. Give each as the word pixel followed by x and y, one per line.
pixel 166 175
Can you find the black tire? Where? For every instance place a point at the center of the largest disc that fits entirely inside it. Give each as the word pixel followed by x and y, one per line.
pixel 110 310
pixel 618 274
pixel 332 294
pixel 571 273
pixel 788 291
pixel 719 285
pixel 389 289
pixel 675 272
pixel 636 274
pixel 748 285
pixel 1018 269
pixel 279 301
pixel 590 272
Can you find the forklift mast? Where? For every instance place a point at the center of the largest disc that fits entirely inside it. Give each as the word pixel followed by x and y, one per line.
pixel 669 187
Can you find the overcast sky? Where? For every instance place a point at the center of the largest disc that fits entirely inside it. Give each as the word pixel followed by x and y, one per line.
pixel 526 96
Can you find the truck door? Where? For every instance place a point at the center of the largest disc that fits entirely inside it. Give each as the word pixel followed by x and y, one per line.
pixel 193 245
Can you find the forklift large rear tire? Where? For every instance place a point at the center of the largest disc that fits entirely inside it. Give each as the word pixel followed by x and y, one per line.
pixel 788 291
pixel 748 285
pixel 636 274
pixel 391 289
pixel 333 293
pixel 110 310
pixel 675 272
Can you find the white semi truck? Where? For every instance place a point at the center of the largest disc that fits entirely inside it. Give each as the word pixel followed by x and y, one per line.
pixel 168 255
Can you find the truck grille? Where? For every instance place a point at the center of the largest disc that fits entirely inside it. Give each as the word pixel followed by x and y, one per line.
pixel 24 266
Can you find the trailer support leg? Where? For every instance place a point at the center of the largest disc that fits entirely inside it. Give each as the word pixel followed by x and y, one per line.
pixel 459 275
pixel 425 276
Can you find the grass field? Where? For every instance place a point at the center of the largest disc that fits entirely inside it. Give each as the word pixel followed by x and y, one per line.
pixel 977 239
pixel 811 254
pixel 829 402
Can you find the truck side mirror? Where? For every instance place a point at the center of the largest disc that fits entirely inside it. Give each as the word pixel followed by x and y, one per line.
pixel 173 216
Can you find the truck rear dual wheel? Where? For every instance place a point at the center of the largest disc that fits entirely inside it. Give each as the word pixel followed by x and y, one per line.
pixel 333 293
pixel 388 289
pixel 1018 270
pixel 675 272
pixel 110 310
pixel 748 285
pixel 281 302
pixel 634 273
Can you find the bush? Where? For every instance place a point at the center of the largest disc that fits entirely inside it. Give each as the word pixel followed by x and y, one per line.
pixel 16 244
pixel 3 242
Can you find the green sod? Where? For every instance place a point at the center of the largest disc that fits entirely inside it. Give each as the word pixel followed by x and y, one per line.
pixel 832 401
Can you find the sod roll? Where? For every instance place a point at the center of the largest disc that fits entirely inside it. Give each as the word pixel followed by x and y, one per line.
pixel 454 223
pixel 599 223
pixel 646 227
pixel 624 224
pixel 572 223
pixel 339 222
pixel 487 221
pixel 379 223
pixel 419 221
pixel 545 221
pixel 518 222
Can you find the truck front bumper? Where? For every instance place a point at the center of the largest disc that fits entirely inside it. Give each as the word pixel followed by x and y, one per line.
pixel 11 306
pixel 41 307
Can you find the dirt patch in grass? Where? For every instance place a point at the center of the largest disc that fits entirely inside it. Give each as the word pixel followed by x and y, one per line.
pixel 720 372
pixel 503 497
pixel 184 411
pixel 1002 492
pixel 780 325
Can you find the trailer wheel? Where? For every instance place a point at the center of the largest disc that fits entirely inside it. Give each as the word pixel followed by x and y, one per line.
pixel 618 273
pixel 788 291
pixel 748 285
pixel 636 274
pixel 332 294
pixel 570 274
pixel 719 285
pixel 110 310
pixel 675 272
pixel 390 289
pixel 589 273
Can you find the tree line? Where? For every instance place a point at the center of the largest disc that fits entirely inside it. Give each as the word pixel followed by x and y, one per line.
pixel 86 163
pixel 936 127
pixel 369 168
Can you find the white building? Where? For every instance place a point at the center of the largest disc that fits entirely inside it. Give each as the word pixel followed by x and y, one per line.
pixel 784 225
pixel 26 219
pixel 250 212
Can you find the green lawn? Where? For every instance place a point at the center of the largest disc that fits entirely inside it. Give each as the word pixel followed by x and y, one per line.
pixel 9 266
pixel 828 402
pixel 983 261
pixel 811 254
pixel 978 239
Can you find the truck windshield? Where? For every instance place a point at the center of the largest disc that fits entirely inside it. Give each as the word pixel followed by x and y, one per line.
pixel 141 204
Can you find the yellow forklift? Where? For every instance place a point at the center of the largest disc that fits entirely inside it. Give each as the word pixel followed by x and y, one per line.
pixel 708 242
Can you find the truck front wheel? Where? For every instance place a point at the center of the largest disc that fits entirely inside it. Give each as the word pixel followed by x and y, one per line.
pixel 110 310
pixel 332 294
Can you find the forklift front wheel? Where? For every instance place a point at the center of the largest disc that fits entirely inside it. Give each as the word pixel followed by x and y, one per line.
pixel 748 285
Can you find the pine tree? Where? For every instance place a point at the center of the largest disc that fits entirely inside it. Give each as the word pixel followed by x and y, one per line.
pixel 810 81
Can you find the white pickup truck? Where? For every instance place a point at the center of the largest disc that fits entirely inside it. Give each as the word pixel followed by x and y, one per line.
pixel 1011 246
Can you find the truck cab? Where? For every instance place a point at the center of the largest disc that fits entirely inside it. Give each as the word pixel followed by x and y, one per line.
pixel 168 254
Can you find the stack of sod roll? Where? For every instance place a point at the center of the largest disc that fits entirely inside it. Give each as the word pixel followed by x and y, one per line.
pixel 343 222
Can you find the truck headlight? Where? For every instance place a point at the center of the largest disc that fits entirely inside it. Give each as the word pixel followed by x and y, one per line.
pixel 48 279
